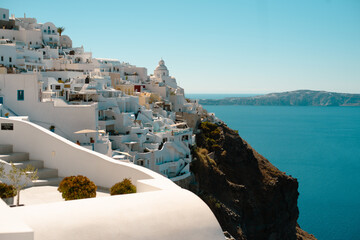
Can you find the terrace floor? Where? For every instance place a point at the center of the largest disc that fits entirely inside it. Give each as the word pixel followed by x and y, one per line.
pixel 47 194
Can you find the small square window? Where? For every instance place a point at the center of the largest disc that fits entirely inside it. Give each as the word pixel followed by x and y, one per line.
pixel 7 126
pixel 53 31
pixel 4 16
pixel 20 95
pixel 44 30
pixel 10 59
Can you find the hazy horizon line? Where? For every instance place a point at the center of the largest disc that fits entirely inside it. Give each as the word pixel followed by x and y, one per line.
pixel 267 92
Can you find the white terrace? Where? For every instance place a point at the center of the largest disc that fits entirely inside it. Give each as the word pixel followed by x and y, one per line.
pixel 159 210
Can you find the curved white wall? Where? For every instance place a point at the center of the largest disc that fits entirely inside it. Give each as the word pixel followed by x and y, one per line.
pixel 70 158
pixel 171 215
pixel 160 209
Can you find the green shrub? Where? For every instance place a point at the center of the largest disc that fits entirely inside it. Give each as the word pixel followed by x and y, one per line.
pixel 210 136
pixel 215 134
pixel 208 126
pixel 123 187
pixel 216 147
pixel 77 187
pixel 7 191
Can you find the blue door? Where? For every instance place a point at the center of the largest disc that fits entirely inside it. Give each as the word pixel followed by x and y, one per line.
pixel 1 100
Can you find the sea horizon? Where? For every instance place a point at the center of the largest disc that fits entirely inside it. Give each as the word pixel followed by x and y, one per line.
pixel 220 95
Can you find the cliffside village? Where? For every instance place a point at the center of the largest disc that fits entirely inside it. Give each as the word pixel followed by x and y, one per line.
pixel 105 105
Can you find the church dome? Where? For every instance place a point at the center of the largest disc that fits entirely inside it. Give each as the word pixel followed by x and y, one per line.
pixel 161 65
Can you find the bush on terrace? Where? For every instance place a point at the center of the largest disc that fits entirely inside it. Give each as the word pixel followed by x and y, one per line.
pixel 77 187
pixel 123 187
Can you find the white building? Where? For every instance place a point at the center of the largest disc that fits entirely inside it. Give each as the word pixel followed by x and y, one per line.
pixel 62 88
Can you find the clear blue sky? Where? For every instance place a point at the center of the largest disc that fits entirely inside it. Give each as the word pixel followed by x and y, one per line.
pixel 240 46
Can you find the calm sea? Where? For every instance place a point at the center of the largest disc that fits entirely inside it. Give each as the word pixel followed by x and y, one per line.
pixel 217 96
pixel 320 146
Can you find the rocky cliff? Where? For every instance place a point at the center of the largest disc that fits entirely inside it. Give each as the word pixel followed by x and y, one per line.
pixel 293 98
pixel 250 197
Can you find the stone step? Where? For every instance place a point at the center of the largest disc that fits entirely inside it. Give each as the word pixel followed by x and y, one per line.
pixel 15 157
pixel 45 173
pixel 6 148
pixel 37 164
pixel 48 182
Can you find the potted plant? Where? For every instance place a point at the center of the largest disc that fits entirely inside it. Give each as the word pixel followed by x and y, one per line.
pixel 123 187
pixel 19 178
pixel 52 128
pixel 7 193
pixel 77 187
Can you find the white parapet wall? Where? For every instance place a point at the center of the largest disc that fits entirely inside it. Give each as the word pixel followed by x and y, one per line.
pixel 159 210
pixel 68 157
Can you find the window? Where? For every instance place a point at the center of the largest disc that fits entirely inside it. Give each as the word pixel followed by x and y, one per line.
pixel 44 30
pixel 4 16
pixel 57 87
pixel 2 58
pixel 10 59
pixel 30 43
pixel 48 27
pixel 37 43
pixel 7 126
pixel 13 38
pixel 20 95
pixel 53 31
pixel 50 39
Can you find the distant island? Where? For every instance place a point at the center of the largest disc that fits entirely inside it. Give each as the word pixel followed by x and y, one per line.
pixel 291 98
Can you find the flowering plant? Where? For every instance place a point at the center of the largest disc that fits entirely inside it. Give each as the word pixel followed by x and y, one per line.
pixel 77 187
pixel 123 187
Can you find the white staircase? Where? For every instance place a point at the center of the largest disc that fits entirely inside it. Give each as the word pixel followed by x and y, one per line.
pixel 47 176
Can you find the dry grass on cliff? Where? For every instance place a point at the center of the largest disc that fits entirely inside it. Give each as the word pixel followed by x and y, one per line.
pixel 203 155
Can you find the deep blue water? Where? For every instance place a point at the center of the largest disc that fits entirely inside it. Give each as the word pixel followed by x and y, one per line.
pixel 217 96
pixel 320 146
